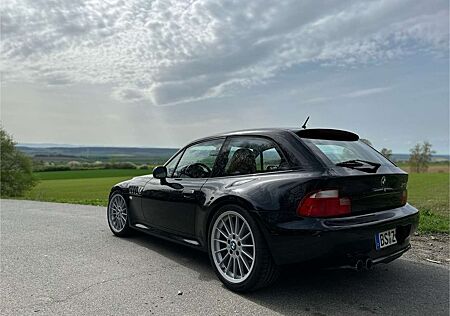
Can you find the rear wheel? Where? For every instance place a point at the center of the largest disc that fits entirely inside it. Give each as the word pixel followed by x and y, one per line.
pixel 117 214
pixel 238 251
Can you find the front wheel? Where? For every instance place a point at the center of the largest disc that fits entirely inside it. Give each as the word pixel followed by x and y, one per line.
pixel 117 213
pixel 238 251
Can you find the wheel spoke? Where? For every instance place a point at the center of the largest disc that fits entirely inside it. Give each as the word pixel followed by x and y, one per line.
pixel 245 253
pixel 220 231
pixel 242 245
pixel 246 235
pixel 219 250
pixel 231 224
pixel 239 266
pixel 226 228
pixel 236 225
pixel 234 268
pixel 220 240
pixel 223 258
pixel 228 266
pixel 244 262
pixel 240 230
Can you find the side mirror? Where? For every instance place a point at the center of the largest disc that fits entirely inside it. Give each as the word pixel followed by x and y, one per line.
pixel 160 172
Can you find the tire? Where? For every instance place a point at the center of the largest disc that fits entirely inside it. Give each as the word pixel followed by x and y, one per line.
pixel 118 216
pixel 230 251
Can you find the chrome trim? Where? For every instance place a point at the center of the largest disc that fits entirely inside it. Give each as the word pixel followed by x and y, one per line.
pixel 192 242
pixel 395 254
pixel 141 226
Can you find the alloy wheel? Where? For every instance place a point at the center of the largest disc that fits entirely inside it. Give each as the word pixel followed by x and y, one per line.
pixel 117 213
pixel 233 246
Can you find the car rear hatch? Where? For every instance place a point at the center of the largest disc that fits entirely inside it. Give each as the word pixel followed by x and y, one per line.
pixel 373 192
pixel 371 182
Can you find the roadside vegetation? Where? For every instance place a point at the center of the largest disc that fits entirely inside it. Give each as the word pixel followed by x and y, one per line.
pixel 16 171
pixel 429 192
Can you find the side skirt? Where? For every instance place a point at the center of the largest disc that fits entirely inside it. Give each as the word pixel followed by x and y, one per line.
pixel 190 242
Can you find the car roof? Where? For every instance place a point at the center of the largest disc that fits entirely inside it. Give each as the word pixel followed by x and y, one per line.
pixel 313 133
pixel 257 131
pixel 254 132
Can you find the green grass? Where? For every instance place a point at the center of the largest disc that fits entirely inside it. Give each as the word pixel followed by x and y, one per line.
pixel 428 192
pixel 92 191
pixel 433 223
pixel 88 174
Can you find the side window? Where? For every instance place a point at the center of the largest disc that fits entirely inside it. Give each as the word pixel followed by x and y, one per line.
pixel 172 164
pixel 271 159
pixel 247 155
pixel 198 160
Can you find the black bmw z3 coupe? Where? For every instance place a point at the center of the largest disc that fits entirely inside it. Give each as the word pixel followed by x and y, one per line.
pixel 258 199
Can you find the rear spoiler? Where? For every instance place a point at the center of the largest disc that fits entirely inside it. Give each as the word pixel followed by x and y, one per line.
pixel 327 134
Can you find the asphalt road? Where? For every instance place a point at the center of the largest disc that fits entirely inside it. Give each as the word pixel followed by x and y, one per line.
pixel 62 259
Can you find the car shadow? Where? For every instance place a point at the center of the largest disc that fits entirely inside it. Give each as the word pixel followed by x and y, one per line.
pixel 397 288
pixel 191 258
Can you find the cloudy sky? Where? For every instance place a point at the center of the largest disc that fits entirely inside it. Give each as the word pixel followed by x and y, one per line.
pixel 160 73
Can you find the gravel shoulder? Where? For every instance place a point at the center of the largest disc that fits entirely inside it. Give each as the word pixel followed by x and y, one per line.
pixel 434 248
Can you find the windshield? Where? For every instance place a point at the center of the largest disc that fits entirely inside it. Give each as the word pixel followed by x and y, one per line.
pixel 344 151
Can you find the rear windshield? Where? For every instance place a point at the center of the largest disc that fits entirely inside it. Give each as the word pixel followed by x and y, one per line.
pixel 342 151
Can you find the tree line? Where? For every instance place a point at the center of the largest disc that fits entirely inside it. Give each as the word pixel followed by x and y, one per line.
pixel 419 158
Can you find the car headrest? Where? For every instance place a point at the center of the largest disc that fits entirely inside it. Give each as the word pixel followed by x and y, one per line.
pixel 242 162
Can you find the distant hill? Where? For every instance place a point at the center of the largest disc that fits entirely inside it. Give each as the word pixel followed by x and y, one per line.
pixel 405 157
pixel 48 145
pixel 104 154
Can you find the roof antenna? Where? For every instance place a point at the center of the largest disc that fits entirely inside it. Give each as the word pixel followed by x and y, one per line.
pixel 304 124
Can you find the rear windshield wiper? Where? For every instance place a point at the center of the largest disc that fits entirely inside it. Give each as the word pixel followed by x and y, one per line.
pixel 360 164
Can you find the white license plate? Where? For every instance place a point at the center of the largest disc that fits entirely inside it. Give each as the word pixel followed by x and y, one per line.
pixel 385 239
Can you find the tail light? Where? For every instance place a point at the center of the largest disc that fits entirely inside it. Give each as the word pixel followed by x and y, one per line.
pixel 404 197
pixel 326 203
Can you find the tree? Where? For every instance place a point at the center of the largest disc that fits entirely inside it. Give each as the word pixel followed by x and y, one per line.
pixel 420 157
pixel 16 174
pixel 387 153
pixel 366 141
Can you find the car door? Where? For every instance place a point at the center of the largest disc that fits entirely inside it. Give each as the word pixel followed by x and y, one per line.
pixel 171 205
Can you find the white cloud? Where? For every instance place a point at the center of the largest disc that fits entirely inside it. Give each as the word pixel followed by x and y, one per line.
pixel 128 94
pixel 171 52
pixel 366 92
pixel 350 95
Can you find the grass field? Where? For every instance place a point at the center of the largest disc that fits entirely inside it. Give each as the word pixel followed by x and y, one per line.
pixel 80 186
pixel 89 174
pixel 429 192
pixel 435 167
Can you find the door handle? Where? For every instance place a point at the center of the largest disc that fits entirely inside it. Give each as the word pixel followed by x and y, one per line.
pixel 189 193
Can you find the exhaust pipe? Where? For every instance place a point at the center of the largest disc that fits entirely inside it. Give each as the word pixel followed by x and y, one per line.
pixel 359 265
pixel 368 264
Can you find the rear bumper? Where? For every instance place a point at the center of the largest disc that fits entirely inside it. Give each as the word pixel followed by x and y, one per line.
pixel 339 241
